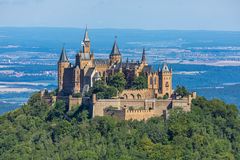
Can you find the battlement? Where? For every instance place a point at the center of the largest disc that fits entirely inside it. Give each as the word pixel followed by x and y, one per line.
pixel 138 111
pixel 140 114
pixel 167 73
pixel 152 73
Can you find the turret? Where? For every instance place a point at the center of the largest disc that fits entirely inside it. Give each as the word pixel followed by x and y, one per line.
pixel 144 60
pixel 76 79
pixel 165 80
pixel 86 42
pixel 115 55
pixel 62 64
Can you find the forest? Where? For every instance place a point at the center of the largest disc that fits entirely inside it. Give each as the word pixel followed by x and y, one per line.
pixel 40 131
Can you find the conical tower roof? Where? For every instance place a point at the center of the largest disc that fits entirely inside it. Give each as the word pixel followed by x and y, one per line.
pixel 115 49
pixel 143 55
pixel 63 56
pixel 86 37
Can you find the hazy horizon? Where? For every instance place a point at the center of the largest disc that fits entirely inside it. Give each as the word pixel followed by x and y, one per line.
pixel 118 28
pixel 212 15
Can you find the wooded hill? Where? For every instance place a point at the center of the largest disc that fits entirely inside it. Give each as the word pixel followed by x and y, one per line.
pixel 38 131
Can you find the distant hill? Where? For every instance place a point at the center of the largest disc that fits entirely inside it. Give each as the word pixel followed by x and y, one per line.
pixel 38 131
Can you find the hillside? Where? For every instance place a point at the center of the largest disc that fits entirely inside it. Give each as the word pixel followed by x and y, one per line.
pixel 38 131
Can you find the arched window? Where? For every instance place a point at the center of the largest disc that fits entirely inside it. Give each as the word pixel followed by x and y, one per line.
pixel 167 84
pixel 151 80
pixel 139 96
pixel 125 96
pixel 155 80
pixel 132 96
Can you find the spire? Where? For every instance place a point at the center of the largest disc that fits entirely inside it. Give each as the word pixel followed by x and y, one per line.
pixel 63 56
pixel 115 49
pixel 86 38
pixel 143 55
pixel 159 68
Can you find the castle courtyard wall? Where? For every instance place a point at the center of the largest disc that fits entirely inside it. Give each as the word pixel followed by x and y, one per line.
pixel 74 102
pixel 101 104
pixel 137 94
pixel 140 114
pixel 152 107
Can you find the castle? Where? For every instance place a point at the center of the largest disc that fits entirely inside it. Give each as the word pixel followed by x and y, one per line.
pixel 77 79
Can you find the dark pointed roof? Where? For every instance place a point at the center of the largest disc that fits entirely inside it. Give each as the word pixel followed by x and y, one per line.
pixel 115 49
pixel 86 37
pixel 63 56
pixel 143 55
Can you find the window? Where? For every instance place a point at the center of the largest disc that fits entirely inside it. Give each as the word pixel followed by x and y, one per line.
pixel 155 80
pixel 151 80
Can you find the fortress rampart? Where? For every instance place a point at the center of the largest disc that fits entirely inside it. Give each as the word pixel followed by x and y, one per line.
pixel 141 109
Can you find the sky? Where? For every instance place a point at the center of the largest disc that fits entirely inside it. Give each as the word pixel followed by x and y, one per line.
pixel 129 14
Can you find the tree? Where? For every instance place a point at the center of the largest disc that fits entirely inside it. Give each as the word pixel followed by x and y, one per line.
pixel 166 96
pixel 181 91
pixel 140 82
pixel 102 90
pixel 110 92
pixel 209 131
pixel 118 81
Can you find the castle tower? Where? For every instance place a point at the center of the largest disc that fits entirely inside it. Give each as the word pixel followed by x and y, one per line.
pixel 115 56
pixel 62 64
pixel 76 80
pixel 165 80
pixel 144 60
pixel 86 42
pixel 78 58
pixel 153 81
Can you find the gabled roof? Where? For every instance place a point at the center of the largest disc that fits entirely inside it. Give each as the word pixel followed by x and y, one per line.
pixel 90 71
pixel 86 37
pixel 63 56
pixel 97 75
pixel 165 68
pixel 147 69
pixel 101 61
pixel 115 49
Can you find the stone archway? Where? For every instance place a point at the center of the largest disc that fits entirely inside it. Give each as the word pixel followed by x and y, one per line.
pixel 125 96
pixel 139 96
pixel 132 96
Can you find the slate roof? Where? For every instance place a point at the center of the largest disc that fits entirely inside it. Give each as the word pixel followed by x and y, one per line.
pixel 63 56
pixel 101 61
pixel 86 37
pixel 147 69
pixel 144 55
pixel 130 65
pixel 90 72
pixel 115 49
pixel 165 68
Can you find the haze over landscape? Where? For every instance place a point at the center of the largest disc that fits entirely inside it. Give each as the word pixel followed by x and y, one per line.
pixel 119 79
pixel 29 55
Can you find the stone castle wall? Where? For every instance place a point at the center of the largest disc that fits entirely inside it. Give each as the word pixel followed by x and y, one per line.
pixel 149 107
pixel 99 106
pixel 140 114
pixel 74 102
pixel 137 94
